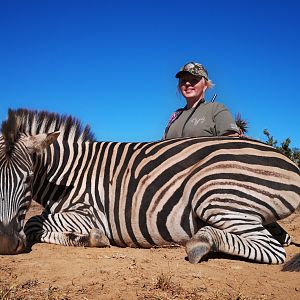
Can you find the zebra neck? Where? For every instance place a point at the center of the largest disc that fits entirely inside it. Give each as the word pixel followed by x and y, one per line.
pixel 74 170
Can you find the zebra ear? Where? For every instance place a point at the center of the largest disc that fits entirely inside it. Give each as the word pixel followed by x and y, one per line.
pixel 37 143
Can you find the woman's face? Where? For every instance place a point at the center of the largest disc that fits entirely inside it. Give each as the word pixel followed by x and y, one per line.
pixel 192 87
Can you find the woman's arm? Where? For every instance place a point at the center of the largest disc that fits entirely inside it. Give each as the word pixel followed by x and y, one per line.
pixel 224 122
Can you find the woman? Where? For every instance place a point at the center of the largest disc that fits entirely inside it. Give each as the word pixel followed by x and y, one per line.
pixel 198 117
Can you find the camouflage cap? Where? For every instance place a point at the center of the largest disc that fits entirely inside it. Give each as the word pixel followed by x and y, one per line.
pixel 194 69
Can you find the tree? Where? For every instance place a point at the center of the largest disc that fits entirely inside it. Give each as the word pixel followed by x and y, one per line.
pixel 270 140
pixel 292 153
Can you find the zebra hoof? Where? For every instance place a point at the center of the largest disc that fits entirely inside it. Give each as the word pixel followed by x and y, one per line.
pixel 97 238
pixel 196 250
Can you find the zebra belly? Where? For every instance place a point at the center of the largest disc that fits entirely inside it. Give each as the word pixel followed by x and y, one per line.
pixel 157 229
pixel 156 239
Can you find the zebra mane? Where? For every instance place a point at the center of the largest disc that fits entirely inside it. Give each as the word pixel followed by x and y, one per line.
pixel 10 132
pixel 32 122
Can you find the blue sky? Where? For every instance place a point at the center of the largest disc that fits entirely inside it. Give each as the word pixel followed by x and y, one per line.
pixel 112 63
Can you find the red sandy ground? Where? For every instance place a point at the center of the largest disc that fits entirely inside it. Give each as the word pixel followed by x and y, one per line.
pixel 57 272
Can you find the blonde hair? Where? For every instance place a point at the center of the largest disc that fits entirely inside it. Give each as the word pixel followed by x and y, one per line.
pixel 209 84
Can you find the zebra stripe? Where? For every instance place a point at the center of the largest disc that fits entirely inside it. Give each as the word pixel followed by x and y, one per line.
pixel 209 194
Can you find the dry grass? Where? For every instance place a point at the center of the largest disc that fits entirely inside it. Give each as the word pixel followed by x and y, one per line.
pixel 30 289
pixel 165 288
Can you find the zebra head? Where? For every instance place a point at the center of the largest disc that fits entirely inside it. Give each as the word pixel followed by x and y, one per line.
pixel 16 175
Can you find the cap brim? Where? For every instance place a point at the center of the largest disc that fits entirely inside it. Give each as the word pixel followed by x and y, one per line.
pixel 180 73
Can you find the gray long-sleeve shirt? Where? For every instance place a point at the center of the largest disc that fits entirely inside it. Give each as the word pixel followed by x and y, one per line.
pixel 206 119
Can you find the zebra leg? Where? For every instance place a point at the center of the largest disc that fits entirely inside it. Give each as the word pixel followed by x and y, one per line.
pixel 255 244
pixel 66 228
pixel 279 234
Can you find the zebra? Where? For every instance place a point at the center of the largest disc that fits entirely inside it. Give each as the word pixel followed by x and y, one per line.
pixel 214 194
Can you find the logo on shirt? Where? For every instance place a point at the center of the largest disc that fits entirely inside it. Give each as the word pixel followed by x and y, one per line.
pixel 196 121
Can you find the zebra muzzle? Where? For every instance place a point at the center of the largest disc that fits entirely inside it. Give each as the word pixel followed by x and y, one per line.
pixel 11 241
